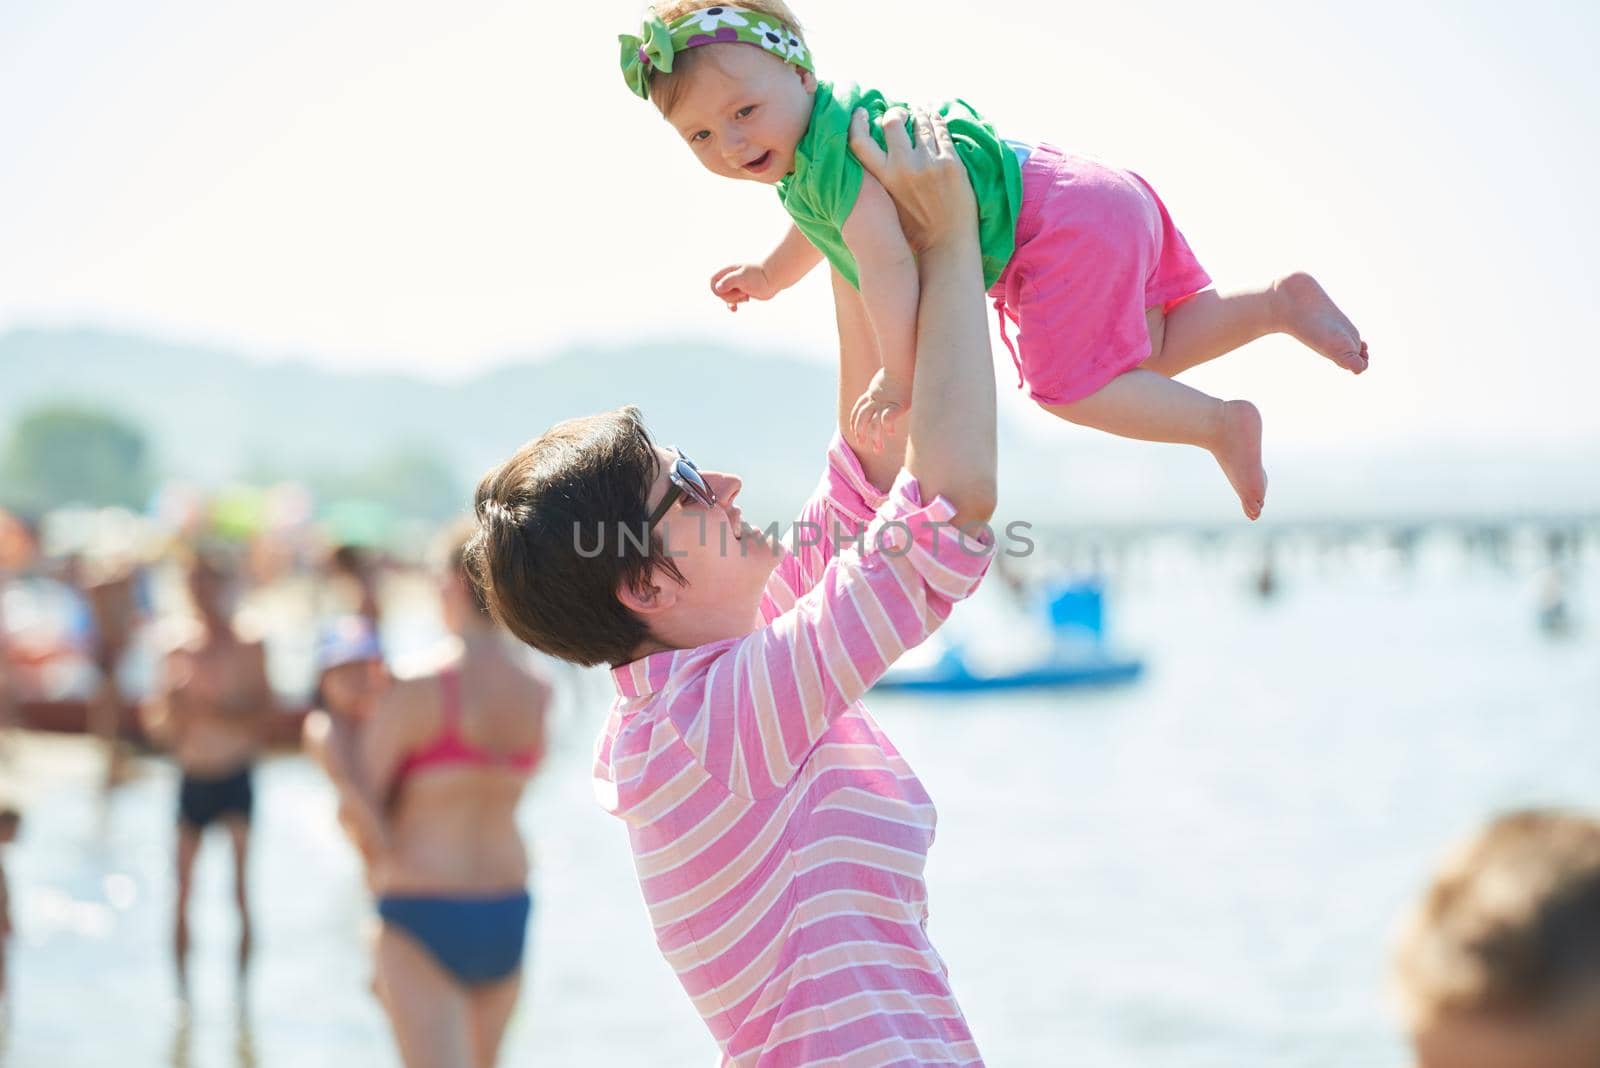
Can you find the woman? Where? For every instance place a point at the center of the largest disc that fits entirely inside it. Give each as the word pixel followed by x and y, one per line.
pixel 778 836
pixel 448 755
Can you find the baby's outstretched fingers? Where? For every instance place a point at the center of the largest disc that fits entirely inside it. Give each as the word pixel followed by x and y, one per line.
pixel 891 420
pixel 858 412
pixel 726 287
pixel 864 424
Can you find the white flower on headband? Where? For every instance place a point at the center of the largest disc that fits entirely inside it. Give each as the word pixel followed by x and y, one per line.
pixel 772 38
pixel 710 18
pixel 797 48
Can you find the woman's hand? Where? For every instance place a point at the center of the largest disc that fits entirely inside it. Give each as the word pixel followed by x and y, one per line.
pixel 741 282
pixel 927 180
pixel 878 410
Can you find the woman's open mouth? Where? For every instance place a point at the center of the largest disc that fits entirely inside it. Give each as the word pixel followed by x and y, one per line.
pixel 760 163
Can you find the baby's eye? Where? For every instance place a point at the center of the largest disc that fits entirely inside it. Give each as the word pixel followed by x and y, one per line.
pixel 745 111
pixel 700 135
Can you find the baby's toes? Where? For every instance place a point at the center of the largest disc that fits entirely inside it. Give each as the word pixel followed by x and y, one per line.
pixel 1358 360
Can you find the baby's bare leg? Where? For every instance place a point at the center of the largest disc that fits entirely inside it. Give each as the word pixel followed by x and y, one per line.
pixel 1151 407
pixel 1209 324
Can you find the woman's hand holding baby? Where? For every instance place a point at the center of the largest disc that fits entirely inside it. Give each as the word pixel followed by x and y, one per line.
pixel 931 191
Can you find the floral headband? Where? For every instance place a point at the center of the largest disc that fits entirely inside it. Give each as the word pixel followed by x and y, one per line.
pixel 652 52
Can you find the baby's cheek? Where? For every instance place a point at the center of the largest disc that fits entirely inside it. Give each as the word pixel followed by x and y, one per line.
pixel 711 162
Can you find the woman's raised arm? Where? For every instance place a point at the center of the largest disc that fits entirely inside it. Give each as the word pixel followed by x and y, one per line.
pixel 951 451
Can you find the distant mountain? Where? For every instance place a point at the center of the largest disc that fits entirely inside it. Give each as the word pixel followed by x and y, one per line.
pixel 214 415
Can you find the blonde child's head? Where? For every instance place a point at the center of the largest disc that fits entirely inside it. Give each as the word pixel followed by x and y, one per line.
pixel 742 108
pixel 1499 965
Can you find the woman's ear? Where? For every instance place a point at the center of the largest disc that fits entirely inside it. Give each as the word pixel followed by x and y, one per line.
pixel 648 598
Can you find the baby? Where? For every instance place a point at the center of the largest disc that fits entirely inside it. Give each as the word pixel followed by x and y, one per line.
pixel 1109 300
pixel 1499 964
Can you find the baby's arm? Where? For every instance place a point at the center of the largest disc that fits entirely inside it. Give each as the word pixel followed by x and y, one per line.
pixel 890 292
pixel 859 364
pixel 791 261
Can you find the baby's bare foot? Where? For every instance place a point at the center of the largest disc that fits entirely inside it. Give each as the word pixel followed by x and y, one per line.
pixel 1238 452
pixel 1312 317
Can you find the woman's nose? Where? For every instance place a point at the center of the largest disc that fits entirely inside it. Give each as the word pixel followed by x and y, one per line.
pixel 725 486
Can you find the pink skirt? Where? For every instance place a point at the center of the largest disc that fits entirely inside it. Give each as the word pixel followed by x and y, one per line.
pixel 1095 248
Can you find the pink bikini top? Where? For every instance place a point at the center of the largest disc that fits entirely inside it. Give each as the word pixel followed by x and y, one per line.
pixel 449 746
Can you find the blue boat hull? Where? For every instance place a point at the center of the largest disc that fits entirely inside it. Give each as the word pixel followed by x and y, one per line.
pixel 946 677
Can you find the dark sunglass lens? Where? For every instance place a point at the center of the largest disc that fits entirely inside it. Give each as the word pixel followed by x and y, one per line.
pixel 696 484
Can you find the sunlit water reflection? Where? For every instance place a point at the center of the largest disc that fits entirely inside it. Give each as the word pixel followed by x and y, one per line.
pixel 1203 869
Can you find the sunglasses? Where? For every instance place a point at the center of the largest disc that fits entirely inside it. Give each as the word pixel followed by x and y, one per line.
pixel 684 480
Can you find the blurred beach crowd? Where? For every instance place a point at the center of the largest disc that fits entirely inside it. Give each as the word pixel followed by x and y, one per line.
pixel 92 595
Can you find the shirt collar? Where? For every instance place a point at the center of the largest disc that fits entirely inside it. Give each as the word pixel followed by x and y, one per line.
pixel 646 675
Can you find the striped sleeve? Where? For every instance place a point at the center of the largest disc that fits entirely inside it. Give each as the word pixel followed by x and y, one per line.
pixel 840 509
pixel 770 696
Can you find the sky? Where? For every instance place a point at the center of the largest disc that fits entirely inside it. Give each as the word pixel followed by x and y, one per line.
pixel 436 189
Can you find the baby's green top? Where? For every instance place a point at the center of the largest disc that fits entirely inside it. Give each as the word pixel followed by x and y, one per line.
pixel 821 192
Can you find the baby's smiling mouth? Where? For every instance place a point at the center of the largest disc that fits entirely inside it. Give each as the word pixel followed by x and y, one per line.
pixel 759 164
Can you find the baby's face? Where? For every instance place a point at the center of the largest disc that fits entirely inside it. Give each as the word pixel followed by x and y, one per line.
pixel 743 111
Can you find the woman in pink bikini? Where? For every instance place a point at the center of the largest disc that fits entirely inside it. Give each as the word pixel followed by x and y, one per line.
pixel 446 756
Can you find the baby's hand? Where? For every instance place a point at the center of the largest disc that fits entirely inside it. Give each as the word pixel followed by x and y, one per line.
pixel 741 282
pixel 878 410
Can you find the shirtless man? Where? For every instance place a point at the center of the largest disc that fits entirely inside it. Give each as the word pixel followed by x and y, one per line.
pixel 209 708
pixel 11 557
pixel 110 590
pixel 10 820
pixel 9 720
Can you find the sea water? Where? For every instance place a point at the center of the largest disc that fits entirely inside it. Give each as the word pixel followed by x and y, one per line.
pixel 1203 868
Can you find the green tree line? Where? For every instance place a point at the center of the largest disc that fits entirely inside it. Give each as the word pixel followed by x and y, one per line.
pixel 65 455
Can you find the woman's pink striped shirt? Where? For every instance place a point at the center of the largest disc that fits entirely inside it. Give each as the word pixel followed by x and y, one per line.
pixel 779 837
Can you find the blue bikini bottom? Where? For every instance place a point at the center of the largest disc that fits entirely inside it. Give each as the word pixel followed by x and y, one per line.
pixel 477 939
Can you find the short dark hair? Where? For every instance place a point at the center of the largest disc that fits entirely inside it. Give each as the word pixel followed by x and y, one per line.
pixel 349 559
pixel 562 526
